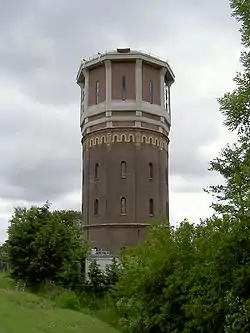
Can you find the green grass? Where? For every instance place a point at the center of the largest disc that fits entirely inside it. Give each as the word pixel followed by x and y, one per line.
pixel 22 312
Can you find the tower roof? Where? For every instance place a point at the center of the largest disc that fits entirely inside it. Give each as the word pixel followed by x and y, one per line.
pixel 128 54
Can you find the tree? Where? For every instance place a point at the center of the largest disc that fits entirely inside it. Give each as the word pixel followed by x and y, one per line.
pixel 3 257
pixel 96 279
pixel 192 279
pixel 41 244
pixel 233 162
pixel 152 289
pixel 112 273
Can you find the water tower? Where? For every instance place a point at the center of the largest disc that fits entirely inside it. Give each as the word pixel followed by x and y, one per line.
pixel 125 121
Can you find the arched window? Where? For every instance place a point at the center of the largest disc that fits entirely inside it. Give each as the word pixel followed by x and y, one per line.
pixel 123 169
pixel 151 207
pixel 96 171
pixel 150 170
pixel 123 206
pixel 96 207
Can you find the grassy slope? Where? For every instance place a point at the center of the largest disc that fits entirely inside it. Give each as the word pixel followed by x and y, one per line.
pixel 21 312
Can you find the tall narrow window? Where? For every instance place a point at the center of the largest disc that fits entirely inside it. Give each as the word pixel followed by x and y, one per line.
pixel 123 88
pixel 96 171
pixel 82 98
pixel 123 206
pixel 97 92
pixel 96 207
pixel 150 167
pixel 166 97
pixel 151 207
pixel 123 169
pixel 151 92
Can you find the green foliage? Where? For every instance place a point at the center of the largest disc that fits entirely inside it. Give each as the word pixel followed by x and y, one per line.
pixel 3 257
pixel 97 282
pixel 179 280
pixel 67 300
pixel 238 317
pixel 112 273
pixel 45 246
pixel 234 161
pixel 100 282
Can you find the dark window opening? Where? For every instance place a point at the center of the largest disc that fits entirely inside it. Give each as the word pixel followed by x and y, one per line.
pixel 123 169
pixel 82 98
pixel 151 207
pixel 150 166
pixel 123 206
pixel 166 96
pixel 151 92
pixel 96 171
pixel 123 88
pixel 97 92
pixel 96 207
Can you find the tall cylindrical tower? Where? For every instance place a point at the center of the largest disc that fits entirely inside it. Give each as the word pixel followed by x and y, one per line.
pixel 125 122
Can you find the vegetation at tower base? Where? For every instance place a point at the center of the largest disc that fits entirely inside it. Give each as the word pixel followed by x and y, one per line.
pixel 234 161
pixel 98 282
pixel 45 246
pixel 194 278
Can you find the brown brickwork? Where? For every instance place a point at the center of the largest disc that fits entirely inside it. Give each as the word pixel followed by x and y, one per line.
pixel 120 69
pixel 151 73
pixel 136 187
pixel 97 74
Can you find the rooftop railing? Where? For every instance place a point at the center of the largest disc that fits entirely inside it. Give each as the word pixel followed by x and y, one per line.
pixel 99 55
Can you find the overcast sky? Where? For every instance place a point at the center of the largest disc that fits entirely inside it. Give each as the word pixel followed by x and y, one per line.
pixel 41 45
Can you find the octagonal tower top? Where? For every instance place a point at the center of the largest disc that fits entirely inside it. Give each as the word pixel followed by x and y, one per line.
pixel 125 88
pixel 125 54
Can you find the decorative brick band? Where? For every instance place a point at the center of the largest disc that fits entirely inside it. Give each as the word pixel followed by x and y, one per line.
pixel 134 137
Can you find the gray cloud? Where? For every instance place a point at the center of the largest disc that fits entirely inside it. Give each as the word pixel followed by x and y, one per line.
pixel 41 45
pixel 42 149
pixel 44 42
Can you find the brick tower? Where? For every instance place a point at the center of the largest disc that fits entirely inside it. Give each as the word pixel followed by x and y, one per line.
pixel 125 122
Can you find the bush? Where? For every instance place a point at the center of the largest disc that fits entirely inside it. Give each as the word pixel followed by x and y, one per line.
pixel 67 300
